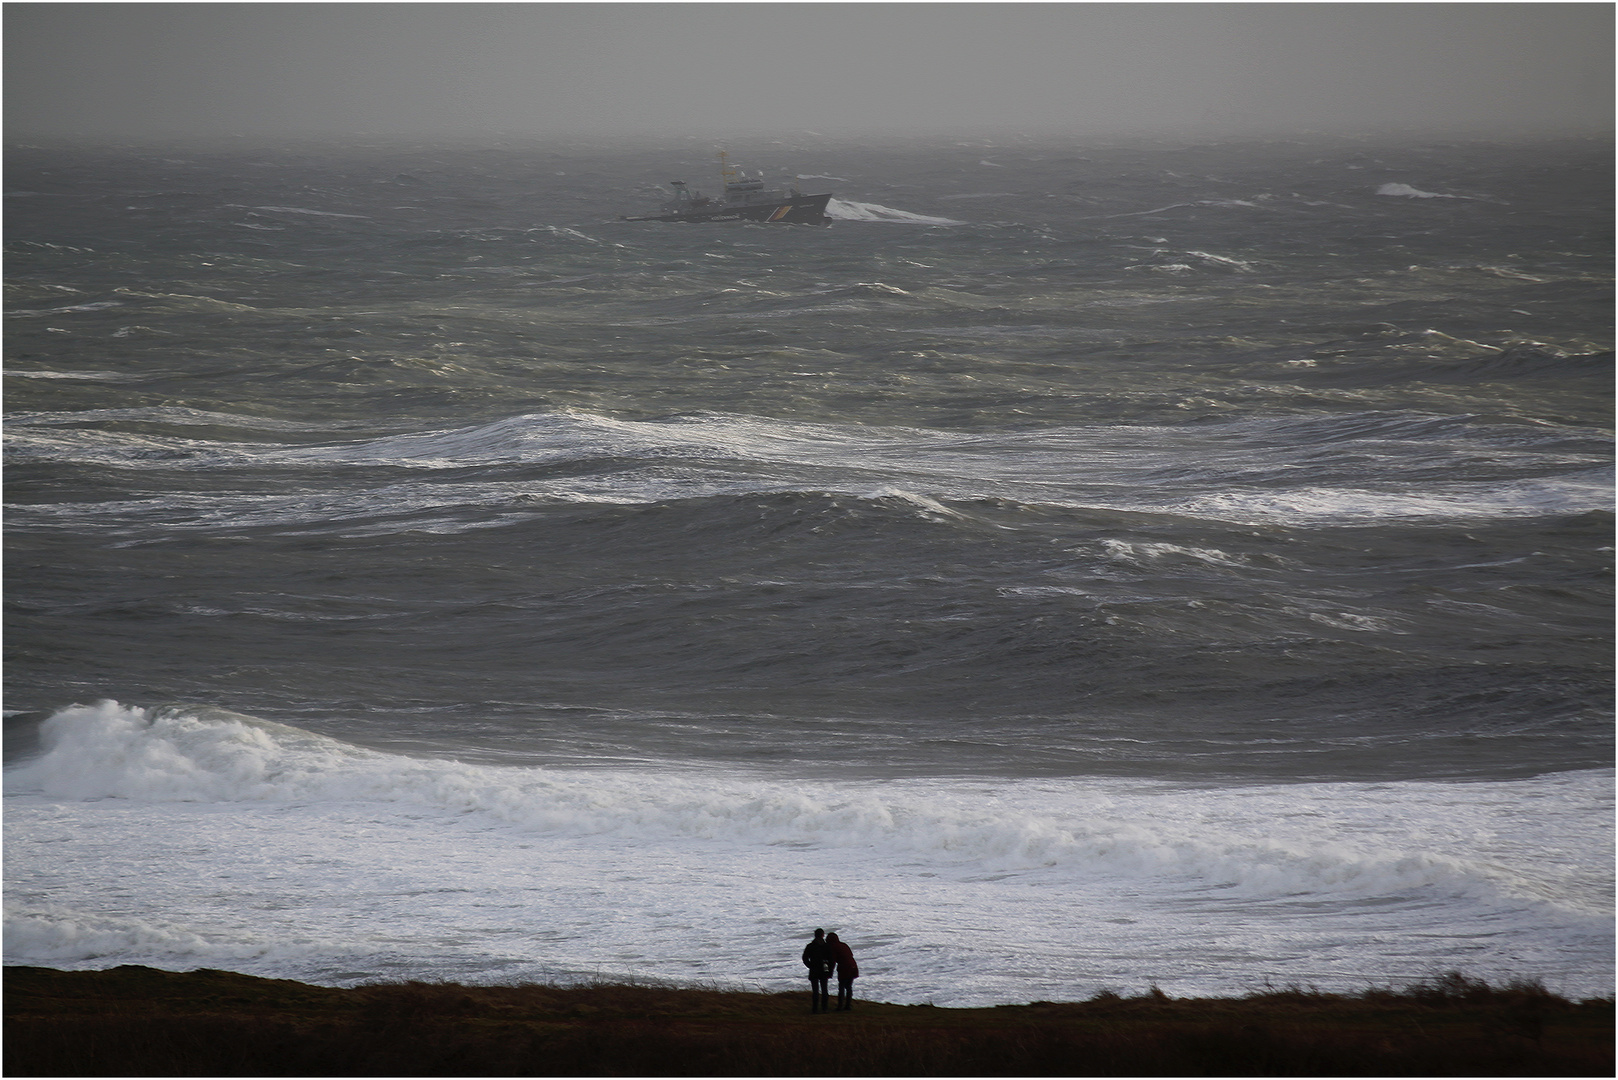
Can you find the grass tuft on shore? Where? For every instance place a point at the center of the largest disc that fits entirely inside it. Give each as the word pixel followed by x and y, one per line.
pixel 135 1021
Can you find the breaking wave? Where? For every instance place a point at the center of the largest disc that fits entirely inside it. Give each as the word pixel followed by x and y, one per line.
pixel 1230 840
pixel 1405 191
pixel 845 210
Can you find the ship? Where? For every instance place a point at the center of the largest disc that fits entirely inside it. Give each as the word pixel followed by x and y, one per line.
pixel 743 199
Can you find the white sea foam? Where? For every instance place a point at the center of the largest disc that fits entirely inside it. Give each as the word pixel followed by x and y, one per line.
pixel 98 305
pixel 1348 620
pixel 289 853
pixel 1240 265
pixel 298 210
pixel 847 210
pixel 1217 203
pixel 1203 471
pixel 931 508
pixel 1583 492
pixel 110 751
pixel 88 376
pixel 1405 191
pixel 1146 554
pixel 50 932
pixel 568 434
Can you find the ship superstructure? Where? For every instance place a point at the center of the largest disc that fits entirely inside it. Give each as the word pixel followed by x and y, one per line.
pixel 744 198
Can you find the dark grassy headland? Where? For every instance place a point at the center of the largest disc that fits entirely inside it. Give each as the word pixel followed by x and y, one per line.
pixel 136 1021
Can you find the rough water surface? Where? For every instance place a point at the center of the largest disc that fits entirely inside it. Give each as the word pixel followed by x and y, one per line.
pixel 1075 567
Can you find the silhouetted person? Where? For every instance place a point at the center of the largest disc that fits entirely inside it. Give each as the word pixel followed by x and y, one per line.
pixel 818 958
pixel 847 971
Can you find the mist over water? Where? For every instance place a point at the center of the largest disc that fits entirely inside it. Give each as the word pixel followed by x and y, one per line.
pixel 1066 548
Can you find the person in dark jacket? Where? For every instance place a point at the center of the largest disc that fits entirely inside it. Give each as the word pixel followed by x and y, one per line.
pixel 818 958
pixel 847 971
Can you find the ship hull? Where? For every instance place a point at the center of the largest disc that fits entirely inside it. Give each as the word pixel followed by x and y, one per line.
pixel 801 210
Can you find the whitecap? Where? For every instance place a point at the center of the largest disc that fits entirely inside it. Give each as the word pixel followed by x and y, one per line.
pixel 209 755
pixel 1223 260
pixel 96 306
pixel 845 210
pixel 89 376
pixel 299 210
pixel 1405 191
pixel 1579 493
pixel 295 855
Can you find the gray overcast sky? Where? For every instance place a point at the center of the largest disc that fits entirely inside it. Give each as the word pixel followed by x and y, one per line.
pixel 136 70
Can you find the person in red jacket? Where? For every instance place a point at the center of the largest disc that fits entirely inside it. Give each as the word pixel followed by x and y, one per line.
pixel 847 971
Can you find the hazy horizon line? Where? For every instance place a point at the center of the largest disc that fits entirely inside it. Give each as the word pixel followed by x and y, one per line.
pixel 985 135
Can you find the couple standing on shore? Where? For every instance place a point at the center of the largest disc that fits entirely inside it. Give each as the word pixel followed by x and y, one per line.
pixel 821 956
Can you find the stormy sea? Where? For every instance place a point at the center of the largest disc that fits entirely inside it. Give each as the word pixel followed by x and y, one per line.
pixel 1077 566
